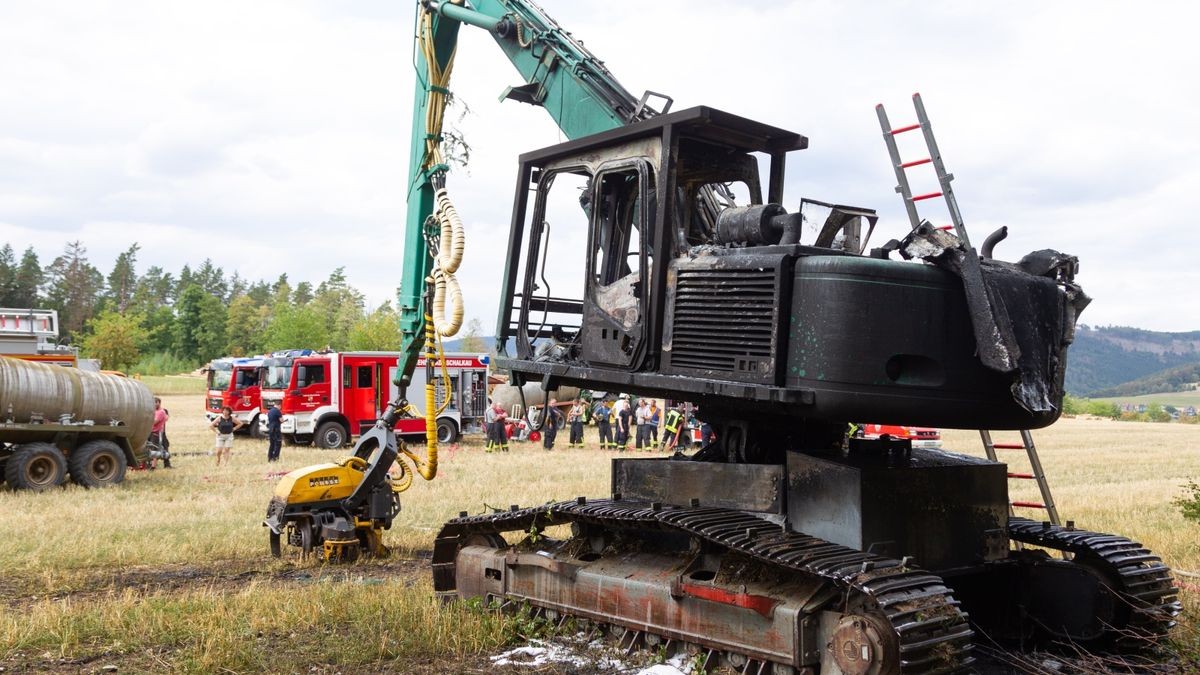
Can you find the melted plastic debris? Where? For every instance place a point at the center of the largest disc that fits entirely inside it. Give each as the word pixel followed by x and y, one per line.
pixel 594 656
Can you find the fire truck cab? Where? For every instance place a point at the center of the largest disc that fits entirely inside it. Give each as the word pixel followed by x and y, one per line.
pixel 327 399
pixel 235 382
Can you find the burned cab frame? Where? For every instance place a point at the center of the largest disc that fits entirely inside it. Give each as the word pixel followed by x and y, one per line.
pixel 673 288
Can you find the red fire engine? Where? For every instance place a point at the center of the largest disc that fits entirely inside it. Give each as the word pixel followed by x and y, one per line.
pixel 921 437
pixel 328 398
pixel 234 382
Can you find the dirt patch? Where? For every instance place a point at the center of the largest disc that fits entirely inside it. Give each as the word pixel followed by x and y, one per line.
pixel 223 575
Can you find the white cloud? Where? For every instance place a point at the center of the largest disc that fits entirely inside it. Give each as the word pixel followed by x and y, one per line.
pixel 274 136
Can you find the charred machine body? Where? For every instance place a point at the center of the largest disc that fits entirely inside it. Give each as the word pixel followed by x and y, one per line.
pixel 781 545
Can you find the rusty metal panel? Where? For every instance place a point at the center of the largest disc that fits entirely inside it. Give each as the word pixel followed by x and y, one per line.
pixel 657 594
pixel 745 487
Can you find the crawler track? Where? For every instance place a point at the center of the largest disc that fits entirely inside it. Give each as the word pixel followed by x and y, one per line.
pixel 1137 576
pixel 929 632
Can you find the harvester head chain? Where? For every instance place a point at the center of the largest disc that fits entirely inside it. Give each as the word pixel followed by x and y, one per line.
pixel 931 631
pixel 1136 574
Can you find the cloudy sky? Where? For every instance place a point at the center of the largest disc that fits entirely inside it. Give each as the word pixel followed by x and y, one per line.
pixel 273 136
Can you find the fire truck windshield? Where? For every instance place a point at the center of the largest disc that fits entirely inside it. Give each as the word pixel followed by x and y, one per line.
pixel 247 377
pixel 277 373
pixel 219 378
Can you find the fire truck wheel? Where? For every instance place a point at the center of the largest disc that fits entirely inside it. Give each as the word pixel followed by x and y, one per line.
pixel 35 466
pixel 447 431
pixel 97 464
pixel 331 435
pixel 255 430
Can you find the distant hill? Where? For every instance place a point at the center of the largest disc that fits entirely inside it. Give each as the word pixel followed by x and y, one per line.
pixel 1180 378
pixel 1104 357
pixel 1103 361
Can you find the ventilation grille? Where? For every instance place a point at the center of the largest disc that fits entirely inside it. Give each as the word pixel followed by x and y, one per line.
pixel 724 320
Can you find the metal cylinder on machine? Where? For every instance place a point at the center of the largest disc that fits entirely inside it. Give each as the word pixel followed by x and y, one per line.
pixel 754 225
pixel 509 397
pixel 31 391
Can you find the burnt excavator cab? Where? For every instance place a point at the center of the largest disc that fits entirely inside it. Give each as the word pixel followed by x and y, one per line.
pixel 647 261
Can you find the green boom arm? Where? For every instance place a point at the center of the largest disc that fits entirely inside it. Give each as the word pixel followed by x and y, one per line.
pixel 560 75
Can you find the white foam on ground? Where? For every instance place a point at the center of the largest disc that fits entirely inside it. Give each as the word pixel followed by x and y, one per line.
pixel 579 652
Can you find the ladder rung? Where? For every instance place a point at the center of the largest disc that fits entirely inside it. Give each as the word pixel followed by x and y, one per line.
pixel 931 195
pixel 1029 505
pixel 917 162
pixel 904 129
pixel 1026 476
pixel 1008 446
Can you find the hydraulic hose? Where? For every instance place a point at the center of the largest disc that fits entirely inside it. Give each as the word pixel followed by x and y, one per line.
pixel 452 239
pixel 427 466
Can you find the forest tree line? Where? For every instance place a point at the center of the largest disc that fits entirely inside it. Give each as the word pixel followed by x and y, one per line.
pixel 161 322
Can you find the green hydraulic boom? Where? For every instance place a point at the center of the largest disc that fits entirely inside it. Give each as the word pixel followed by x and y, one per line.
pixel 560 75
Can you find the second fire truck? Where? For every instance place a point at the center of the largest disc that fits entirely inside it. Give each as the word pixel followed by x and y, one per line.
pixel 234 382
pixel 328 398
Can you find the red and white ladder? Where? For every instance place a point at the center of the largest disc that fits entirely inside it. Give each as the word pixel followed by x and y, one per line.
pixel 935 158
pixel 1036 472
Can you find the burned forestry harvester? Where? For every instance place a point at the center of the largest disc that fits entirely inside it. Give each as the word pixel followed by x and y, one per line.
pixel 644 258
pixel 777 546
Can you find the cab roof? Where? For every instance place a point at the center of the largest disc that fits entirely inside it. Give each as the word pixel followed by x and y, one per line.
pixel 702 122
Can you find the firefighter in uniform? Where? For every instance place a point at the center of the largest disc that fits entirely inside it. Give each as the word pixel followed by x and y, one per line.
pixel 494 419
pixel 554 421
pixel 672 428
pixel 575 419
pixel 489 425
pixel 602 412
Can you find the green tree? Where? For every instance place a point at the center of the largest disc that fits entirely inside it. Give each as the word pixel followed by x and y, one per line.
pixel 186 278
pixel 378 331
pixel 340 306
pixel 281 291
pixel 212 279
pixel 116 339
pixel 28 281
pixel 1156 413
pixel 260 293
pixel 472 338
pixel 303 293
pixel 246 327
pixel 160 329
pixel 237 287
pixel 199 325
pixel 8 275
pixel 74 287
pixel 154 289
pixel 1103 409
pixel 295 328
pixel 122 281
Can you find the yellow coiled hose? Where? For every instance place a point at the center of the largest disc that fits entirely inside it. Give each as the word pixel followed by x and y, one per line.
pixel 448 257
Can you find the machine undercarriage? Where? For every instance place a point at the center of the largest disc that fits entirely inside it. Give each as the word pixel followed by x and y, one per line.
pixel 746 590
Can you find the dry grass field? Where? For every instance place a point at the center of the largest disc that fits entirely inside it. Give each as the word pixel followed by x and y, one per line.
pixel 171 572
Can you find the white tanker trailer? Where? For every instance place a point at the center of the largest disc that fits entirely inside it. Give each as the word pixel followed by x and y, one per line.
pixel 57 421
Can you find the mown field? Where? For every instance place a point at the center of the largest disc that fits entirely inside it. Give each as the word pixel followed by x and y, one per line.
pixel 1179 399
pixel 171 571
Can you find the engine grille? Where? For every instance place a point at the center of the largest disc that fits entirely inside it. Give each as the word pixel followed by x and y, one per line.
pixel 724 320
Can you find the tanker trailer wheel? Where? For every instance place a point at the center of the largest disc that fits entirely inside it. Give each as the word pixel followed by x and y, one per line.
pixel 331 435
pixel 36 466
pixel 447 431
pixel 97 464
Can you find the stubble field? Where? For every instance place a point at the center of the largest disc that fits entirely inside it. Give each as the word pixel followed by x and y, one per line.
pixel 171 571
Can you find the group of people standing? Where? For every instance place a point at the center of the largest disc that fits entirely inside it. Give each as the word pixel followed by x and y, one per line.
pixel 619 421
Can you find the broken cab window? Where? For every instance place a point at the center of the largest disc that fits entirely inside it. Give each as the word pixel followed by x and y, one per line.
pixel 619 218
